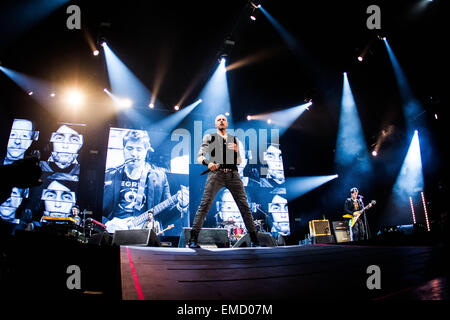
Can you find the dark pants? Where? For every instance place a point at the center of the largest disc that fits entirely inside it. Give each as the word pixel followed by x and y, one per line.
pixel 358 230
pixel 217 180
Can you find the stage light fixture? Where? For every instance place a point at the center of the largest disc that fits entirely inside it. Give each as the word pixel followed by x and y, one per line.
pixel 360 58
pixel 74 98
pixel 151 105
pixel 103 44
pixel 95 52
pixel 249 118
pixel 269 121
pixel 125 103
pixel 176 108
pixel 52 95
pixel 374 153
pixel 227 114
pixel 252 17
pixel 30 93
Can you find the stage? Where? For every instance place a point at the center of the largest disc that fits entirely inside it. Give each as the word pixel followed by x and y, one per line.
pixel 314 272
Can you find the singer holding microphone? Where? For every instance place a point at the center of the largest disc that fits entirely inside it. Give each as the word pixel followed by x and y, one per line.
pixel 352 206
pixel 222 172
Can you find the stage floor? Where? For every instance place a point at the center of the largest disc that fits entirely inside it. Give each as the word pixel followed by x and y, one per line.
pixel 289 272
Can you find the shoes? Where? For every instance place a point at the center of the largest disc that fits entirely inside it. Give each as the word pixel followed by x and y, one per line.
pixel 193 241
pixel 254 240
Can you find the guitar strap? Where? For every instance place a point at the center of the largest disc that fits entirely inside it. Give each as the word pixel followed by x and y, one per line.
pixel 141 187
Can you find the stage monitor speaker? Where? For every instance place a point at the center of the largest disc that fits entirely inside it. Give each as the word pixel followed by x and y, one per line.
pixel 208 237
pixel 265 239
pixel 322 239
pixel 341 231
pixel 319 228
pixel 101 239
pixel 139 237
pixel 169 241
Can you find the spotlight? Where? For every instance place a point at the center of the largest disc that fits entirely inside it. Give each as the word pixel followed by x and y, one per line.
pixel 252 17
pixel 103 44
pixel 249 118
pixel 95 52
pixel 269 121
pixel 374 153
pixel 360 58
pixel 30 93
pixel 105 90
pixel 436 116
pixel 227 114
pixel 74 98
pixel 176 108
pixel 151 105
pixel 52 95
pixel 125 103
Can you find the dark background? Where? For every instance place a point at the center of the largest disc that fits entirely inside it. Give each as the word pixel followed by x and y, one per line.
pixel 180 41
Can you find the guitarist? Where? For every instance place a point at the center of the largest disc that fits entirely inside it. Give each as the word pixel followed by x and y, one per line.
pixel 136 186
pixel 153 224
pixel 351 206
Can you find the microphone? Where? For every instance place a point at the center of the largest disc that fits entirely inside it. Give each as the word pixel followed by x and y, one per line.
pixel 206 171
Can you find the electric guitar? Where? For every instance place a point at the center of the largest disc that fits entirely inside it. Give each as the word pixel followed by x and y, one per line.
pixel 168 228
pixel 139 221
pixel 359 213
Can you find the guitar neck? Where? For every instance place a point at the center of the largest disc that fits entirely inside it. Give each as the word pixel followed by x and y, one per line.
pixel 155 210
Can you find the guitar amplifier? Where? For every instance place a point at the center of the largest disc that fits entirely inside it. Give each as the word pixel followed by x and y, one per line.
pixel 319 228
pixel 341 231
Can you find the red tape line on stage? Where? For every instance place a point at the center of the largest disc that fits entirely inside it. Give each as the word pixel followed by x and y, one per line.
pixel 135 278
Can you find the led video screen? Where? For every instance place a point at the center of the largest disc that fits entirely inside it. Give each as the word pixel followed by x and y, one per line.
pixel 58 150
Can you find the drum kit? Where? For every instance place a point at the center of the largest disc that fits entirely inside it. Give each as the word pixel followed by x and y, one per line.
pixel 235 231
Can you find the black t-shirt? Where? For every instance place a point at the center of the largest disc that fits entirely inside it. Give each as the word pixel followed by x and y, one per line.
pixel 228 158
pixel 127 198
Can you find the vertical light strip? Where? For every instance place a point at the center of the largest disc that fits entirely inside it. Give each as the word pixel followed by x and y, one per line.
pixel 412 209
pixel 425 209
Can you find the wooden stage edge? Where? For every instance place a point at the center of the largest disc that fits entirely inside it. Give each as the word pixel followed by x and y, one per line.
pixel 332 272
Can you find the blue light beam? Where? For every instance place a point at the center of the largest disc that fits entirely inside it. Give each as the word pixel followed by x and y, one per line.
pixel 40 88
pixel 298 186
pixel 123 82
pixel 288 38
pixel 410 178
pixel 411 106
pixel 351 149
pixel 283 119
pixel 170 123
pixel 23 15
pixel 215 95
